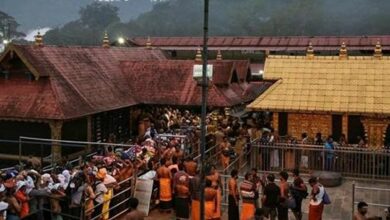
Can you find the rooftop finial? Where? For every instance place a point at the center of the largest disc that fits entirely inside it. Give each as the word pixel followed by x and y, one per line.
pixel 343 53
pixel 106 40
pixel 310 51
pixel 198 57
pixel 148 43
pixel 378 50
pixel 38 39
pixel 219 55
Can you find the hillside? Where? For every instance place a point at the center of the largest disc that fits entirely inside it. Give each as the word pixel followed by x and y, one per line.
pixel 33 14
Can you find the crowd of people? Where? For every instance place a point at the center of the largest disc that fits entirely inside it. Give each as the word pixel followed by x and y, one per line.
pixel 66 191
pixel 86 190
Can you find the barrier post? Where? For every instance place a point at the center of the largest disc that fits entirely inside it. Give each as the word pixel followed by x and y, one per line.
pixel 20 150
pixel 282 161
pixel 323 158
pixel 373 165
pixel 41 149
pixel 353 198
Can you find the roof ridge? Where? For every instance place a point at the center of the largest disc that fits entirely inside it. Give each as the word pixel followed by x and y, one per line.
pixel 335 57
pixel 265 94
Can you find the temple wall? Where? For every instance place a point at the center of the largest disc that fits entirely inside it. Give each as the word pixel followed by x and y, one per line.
pixel 309 123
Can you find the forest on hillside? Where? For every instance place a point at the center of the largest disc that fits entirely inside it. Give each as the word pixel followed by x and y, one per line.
pixel 34 14
pixel 229 17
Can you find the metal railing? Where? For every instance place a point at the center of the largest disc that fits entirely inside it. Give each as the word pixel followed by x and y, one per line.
pixel 210 154
pixel 350 162
pixel 377 199
pixel 244 159
pixel 123 195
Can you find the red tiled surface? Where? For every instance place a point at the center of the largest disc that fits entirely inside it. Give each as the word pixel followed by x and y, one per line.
pixel 269 42
pixel 171 82
pixel 25 99
pixel 78 81
pixel 73 82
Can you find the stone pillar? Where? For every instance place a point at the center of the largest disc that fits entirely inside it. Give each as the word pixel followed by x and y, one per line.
pixel 56 133
pixel 345 125
pixel 275 122
pixel 89 132
pixel 375 131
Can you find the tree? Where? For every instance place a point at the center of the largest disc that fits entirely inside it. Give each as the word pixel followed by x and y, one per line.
pixel 231 17
pixel 8 27
pixel 89 29
pixel 98 15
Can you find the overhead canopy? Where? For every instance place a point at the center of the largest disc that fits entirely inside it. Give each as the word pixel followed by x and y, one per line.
pixel 356 85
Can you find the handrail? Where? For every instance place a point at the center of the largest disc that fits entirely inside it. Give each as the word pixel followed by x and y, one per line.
pixel 79 142
pixel 171 135
pixel 308 146
pixel 242 155
pixel 372 188
pixel 37 142
pixel 50 167
pixel 208 150
pixel 115 196
pixel 120 183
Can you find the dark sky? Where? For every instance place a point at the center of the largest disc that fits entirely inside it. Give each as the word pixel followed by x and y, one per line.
pixel 32 14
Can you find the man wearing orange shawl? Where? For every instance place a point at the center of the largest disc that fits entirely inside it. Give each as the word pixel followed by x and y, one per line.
pixel 224 147
pixel 195 196
pixel 247 190
pixel 210 204
pixel 215 179
pixel 165 176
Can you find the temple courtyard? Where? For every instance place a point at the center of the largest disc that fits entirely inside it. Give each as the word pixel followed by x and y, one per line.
pixel 341 197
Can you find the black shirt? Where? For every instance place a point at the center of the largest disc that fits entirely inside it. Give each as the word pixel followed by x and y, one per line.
pixel 272 193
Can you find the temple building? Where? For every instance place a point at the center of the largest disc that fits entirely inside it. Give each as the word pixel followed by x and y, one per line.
pixel 331 95
pixel 48 91
pixel 88 93
pixel 172 83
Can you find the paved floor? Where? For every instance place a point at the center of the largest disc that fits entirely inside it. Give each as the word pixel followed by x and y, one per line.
pixel 341 207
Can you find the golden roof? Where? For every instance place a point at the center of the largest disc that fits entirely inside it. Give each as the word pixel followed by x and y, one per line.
pixel 357 85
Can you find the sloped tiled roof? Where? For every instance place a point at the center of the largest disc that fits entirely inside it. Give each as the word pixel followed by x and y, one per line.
pixel 28 100
pixel 357 85
pixel 171 82
pixel 71 81
pixel 271 43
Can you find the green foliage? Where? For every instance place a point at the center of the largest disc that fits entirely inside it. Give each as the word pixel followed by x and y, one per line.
pixel 95 19
pixel 8 27
pixel 98 15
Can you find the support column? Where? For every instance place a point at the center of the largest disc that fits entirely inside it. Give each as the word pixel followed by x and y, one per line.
pixel 345 126
pixel 275 122
pixel 131 127
pixel 89 133
pixel 375 131
pixel 56 133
